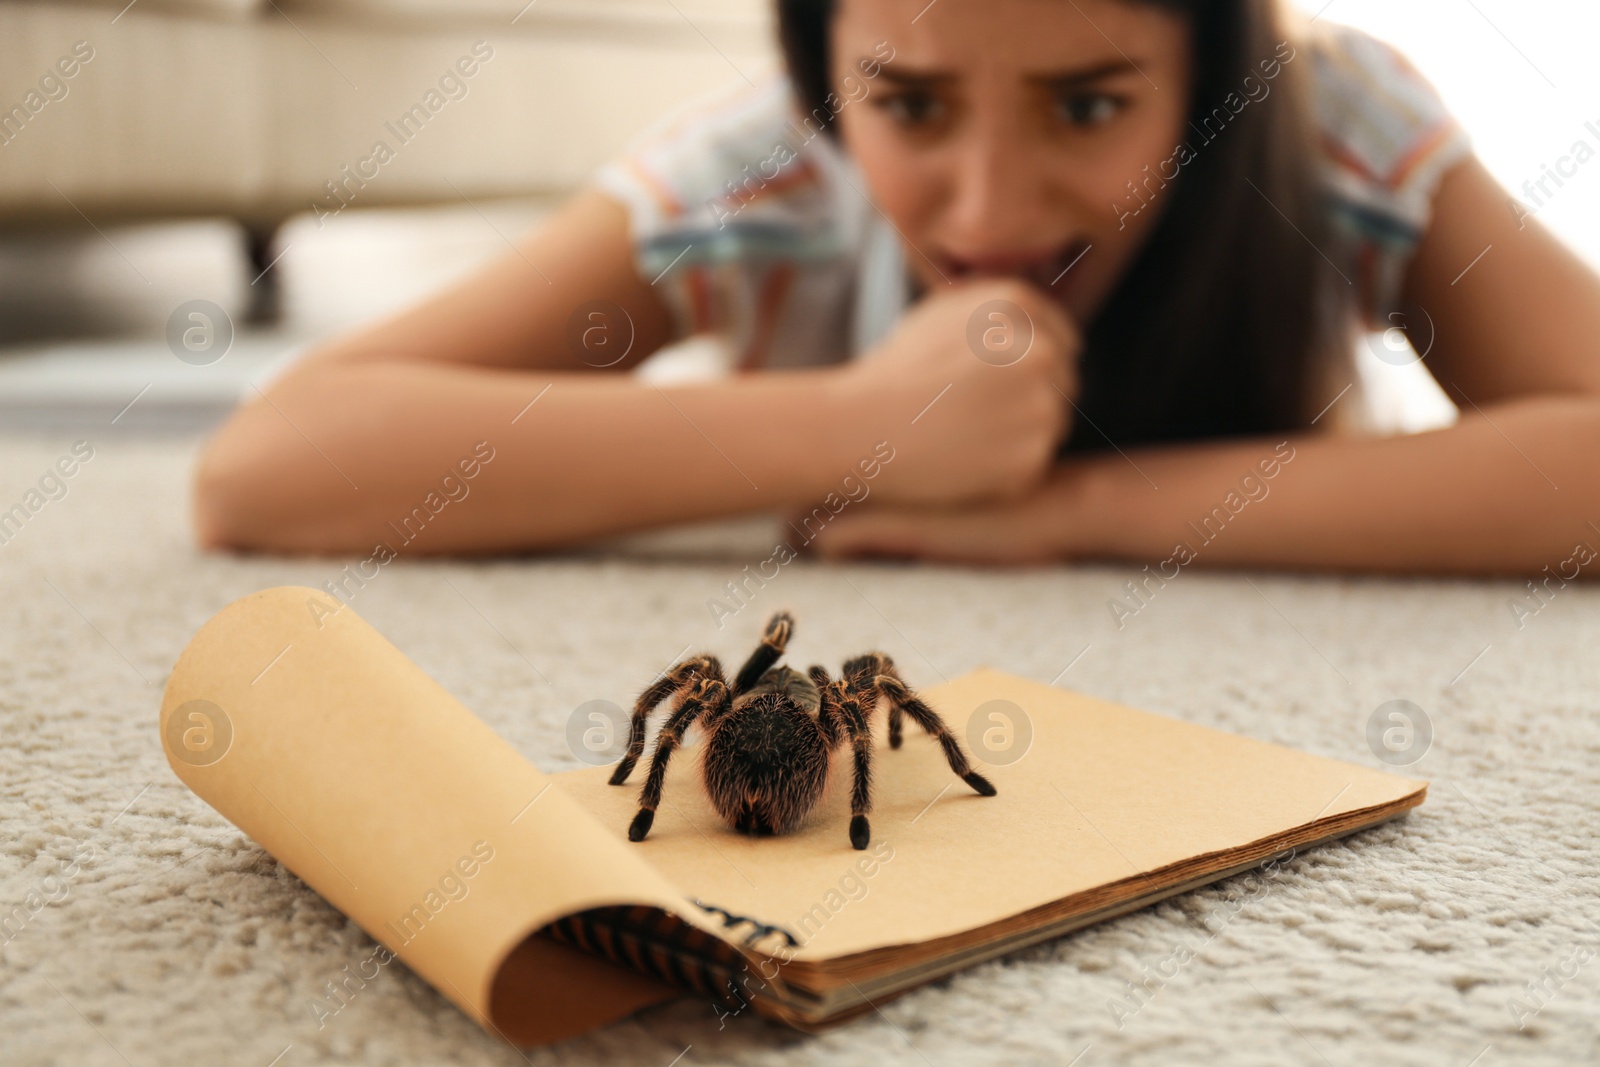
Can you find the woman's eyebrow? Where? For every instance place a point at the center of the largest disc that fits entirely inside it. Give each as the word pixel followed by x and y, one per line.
pixel 1086 75
pixel 903 75
pixel 910 75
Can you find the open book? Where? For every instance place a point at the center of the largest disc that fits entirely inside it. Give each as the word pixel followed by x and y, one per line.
pixel 519 897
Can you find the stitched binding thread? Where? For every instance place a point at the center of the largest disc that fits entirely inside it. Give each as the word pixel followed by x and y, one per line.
pixel 661 945
pixel 729 919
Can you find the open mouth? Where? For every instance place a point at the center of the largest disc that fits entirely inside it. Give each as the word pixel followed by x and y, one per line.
pixel 1047 269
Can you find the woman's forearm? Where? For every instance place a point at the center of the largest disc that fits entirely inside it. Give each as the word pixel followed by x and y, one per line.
pixel 1506 490
pixel 336 458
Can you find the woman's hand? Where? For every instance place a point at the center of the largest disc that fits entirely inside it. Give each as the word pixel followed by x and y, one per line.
pixel 1026 530
pixel 971 390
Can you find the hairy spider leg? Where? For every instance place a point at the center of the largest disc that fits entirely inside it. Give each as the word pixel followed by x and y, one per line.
pixel 707 693
pixel 773 643
pixel 820 679
pixel 863 669
pixel 888 682
pixel 842 715
pixel 681 675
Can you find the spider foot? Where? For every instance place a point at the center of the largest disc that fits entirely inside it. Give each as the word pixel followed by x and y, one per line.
pixel 641 824
pixel 779 627
pixel 980 783
pixel 860 832
pixel 620 775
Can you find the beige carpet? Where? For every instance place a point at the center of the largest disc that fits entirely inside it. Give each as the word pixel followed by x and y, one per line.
pixel 141 928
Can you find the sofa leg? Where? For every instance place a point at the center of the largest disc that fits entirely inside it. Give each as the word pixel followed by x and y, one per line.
pixel 265 292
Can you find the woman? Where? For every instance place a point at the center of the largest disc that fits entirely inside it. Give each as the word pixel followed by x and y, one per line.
pixel 1087 271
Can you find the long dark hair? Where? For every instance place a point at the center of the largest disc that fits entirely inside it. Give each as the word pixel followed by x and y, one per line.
pixel 1221 323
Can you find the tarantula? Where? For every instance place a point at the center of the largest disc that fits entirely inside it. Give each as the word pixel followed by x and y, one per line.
pixel 769 736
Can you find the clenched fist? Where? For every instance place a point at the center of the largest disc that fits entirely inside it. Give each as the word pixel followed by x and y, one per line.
pixel 971 389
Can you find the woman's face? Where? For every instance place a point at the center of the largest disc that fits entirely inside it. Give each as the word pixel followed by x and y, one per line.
pixel 1001 137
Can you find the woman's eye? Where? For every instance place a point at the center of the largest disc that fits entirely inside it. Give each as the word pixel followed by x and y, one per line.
pixel 1088 109
pixel 913 108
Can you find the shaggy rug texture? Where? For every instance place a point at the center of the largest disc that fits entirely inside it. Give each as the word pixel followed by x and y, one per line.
pixel 139 927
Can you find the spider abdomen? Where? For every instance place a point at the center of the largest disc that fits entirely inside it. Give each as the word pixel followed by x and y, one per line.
pixel 765 766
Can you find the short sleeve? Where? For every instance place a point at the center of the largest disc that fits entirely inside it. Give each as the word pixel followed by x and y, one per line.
pixel 735 219
pixel 1387 140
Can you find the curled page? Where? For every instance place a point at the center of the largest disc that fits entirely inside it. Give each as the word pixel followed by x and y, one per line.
pixel 326 745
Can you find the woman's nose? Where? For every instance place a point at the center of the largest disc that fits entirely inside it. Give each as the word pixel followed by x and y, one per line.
pixel 997 198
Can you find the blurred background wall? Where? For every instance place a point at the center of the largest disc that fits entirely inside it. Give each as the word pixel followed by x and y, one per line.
pixel 163 151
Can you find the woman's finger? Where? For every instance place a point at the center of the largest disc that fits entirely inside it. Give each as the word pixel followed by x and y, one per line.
pixel 877 531
pixel 966 536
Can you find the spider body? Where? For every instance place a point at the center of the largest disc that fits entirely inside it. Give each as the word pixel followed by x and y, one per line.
pixel 766 763
pixel 770 735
